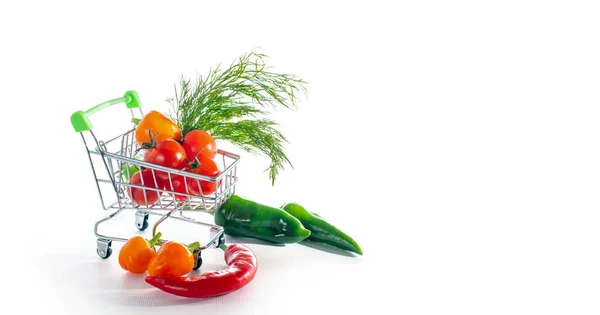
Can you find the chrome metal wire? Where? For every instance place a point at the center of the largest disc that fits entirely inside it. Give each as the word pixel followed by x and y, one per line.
pixel 120 155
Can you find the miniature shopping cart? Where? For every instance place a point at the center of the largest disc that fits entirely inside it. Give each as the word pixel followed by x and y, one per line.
pixel 114 162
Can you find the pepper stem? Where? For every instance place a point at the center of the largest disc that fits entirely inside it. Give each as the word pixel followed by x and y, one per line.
pixel 135 121
pixel 155 239
pixel 193 246
pixel 223 247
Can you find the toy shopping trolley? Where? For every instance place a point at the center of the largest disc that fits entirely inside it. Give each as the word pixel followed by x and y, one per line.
pixel 115 161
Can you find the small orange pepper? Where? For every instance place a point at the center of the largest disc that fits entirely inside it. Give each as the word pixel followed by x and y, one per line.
pixel 137 252
pixel 173 259
pixel 155 122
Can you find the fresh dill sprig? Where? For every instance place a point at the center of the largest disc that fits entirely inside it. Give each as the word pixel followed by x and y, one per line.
pixel 232 105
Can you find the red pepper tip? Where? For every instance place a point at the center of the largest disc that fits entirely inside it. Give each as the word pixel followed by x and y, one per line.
pixel 155 280
pixel 241 269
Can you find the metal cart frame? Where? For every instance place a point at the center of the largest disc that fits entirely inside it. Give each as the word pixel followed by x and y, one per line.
pixel 112 163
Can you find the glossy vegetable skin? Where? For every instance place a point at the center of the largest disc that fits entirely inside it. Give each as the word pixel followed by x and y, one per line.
pixel 173 259
pixel 177 183
pixel 242 217
pixel 184 185
pixel 321 230
pixel 143 196
pixel 199 142
pixel 167 153
pixel 155 122
pixel 127 170
pixel 241 269
pixel 203 166
pixel 136 254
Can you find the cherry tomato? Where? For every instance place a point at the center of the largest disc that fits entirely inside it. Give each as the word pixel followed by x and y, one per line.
pixel 207 167
pixel 177 184
pixel 154 122
pixel 137 194
pixel 199 141
pixel 167 153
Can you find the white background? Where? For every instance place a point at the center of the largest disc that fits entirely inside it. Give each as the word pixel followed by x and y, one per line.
pixel 456 141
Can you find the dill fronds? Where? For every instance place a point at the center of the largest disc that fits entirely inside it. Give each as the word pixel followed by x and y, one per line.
pixel 233 104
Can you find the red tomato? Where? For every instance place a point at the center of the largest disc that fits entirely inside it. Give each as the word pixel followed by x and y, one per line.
pixel 137 194
pixel 167 153
pixel 177 185
pixel 207 167
pixel 199 141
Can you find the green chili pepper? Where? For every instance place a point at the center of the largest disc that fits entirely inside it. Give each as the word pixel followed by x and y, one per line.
pixel 242 217
pixel 128 173
pixel 320 230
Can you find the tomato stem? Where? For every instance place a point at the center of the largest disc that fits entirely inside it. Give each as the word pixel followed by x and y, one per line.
pixel 195 163
pixel 150 144
pixel 135 121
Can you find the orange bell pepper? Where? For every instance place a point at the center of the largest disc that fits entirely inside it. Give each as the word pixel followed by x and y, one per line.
pixel 173 259
pixel 155 122
pixel 137 252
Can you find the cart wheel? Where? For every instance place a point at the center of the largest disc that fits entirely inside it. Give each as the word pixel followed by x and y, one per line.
pixel 104 254
pixel 141 221
pixel 198 261
pixel 103 250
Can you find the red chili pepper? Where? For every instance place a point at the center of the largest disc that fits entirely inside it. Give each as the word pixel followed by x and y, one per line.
pixel 241 268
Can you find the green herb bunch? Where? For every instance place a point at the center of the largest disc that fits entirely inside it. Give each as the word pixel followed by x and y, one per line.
pixel 233 105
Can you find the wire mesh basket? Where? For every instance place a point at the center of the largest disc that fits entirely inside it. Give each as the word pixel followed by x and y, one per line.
pixel 115 161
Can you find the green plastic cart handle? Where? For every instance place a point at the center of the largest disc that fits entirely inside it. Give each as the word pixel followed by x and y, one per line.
pixel 81 120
